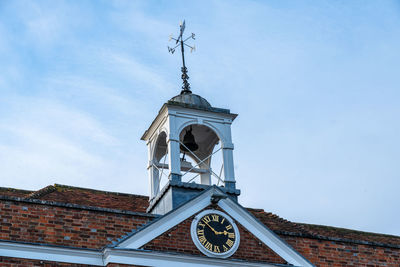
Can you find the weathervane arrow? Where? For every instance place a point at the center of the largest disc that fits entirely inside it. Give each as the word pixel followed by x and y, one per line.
pixel 182 43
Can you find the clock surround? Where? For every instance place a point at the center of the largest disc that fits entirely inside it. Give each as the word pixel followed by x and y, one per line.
pixel 215 234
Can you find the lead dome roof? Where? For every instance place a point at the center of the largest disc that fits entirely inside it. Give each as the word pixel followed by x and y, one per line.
pixel 194 101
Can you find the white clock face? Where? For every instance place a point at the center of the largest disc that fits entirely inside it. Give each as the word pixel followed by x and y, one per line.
pixel 215 234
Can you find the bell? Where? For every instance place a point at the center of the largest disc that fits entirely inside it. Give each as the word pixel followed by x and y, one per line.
pixel 189 142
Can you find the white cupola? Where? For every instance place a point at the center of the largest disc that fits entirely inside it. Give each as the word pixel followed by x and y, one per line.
pixel 183 140
pixel 187 126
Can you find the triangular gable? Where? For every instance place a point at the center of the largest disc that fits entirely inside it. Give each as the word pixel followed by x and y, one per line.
pixel 178 239
pixel 235 210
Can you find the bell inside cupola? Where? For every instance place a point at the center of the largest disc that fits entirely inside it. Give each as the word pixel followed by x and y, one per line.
pixel 200 155
pixel 189 142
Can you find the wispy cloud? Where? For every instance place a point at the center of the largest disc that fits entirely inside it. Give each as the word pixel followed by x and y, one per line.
pixel 142 74
pixel 43 136
pixel 88 90
pixel 315 87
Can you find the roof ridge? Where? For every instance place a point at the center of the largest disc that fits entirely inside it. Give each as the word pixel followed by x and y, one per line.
pixel 97 190
pixel 42 192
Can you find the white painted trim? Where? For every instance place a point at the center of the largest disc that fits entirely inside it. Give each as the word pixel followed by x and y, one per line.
pixel 115 255
pixel 266 236
pixel 168 221
pixel 157 259
pixel 205 251
pixel 48 253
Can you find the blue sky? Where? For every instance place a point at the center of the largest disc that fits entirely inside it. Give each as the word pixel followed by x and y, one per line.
pixel 315 84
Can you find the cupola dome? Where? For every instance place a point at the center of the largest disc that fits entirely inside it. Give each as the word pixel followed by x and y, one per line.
pixel 191 100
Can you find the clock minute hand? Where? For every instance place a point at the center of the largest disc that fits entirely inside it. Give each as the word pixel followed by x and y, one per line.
pixel 211 228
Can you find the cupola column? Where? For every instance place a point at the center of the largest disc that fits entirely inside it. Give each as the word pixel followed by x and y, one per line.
pixel 173 157
pixel 173 150
pixel 205 178
pixel 229 173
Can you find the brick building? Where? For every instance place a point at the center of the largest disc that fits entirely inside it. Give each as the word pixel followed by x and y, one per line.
pixel 190 218
pixel 185 223
pixel 70 226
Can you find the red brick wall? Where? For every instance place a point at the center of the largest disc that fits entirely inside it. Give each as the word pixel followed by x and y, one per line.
pixel 251 248
pixel 319 252
pixel 334 253
pixel 18 262
pixel 37 223
pixel 29 222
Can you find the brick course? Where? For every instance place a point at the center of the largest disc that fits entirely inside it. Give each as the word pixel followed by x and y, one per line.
pixel 18 262
pixel 335 253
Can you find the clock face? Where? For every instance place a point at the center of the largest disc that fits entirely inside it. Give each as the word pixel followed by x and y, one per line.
pixel 215 234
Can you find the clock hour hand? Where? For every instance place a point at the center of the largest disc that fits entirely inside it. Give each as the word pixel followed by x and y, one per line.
pixel 220 233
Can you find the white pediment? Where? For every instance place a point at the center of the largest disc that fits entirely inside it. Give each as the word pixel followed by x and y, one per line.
pixel 235 210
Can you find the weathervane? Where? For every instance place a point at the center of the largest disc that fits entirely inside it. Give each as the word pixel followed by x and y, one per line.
pixel 181 42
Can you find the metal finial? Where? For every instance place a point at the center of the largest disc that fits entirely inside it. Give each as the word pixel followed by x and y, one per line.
pixel 181 42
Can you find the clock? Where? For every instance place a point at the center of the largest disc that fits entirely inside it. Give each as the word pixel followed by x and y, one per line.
pixel 215 234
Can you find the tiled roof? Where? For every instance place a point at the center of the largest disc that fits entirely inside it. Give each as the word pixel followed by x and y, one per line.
pixel 83 196
pixel 276 223
pixel 137 203
pixel 91 197
pixel 348 234
pixel 12 192
pixel 282 226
